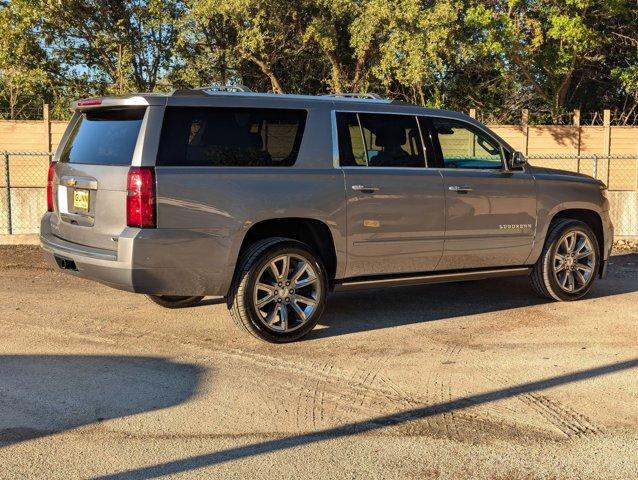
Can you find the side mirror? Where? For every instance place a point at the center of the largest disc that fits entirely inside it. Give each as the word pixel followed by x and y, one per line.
pixel 517 161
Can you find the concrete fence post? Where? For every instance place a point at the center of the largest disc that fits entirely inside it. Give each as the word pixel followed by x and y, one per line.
pixel 576 122
pixel 606 143
pixel 525 131
pixel 7 179
pixel 47 127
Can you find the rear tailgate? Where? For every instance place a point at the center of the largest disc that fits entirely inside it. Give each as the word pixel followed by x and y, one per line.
pixel 90 175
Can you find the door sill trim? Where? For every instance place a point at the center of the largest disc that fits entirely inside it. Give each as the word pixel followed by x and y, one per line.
pixel 434 277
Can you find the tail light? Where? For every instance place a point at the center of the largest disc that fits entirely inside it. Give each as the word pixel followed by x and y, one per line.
pixel 140 198
pixel 50 176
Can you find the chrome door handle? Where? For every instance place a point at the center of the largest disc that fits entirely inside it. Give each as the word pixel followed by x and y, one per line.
pixel 365 188
pixel 460 188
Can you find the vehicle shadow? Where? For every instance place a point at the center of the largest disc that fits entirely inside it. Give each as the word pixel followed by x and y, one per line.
pixel 365 310
pixel 46 394
pixel 357 428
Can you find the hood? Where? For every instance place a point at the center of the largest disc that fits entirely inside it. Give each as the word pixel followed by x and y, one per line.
pixel 556 174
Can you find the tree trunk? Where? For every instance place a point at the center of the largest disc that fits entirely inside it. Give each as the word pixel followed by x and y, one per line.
pixel 266 70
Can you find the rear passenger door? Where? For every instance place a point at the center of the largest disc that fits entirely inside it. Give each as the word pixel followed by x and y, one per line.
pixel 490 211
pixel 395 205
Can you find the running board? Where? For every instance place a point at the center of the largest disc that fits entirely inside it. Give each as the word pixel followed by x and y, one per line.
pixel 440 277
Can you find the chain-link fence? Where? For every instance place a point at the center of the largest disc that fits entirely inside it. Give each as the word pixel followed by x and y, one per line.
pixel 23 177
pixel 620 174
pixel 23 187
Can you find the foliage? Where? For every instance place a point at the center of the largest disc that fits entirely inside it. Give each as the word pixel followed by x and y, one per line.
pixel 499 56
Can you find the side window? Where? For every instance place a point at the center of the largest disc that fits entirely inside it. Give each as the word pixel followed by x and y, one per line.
pixel 392 140
pixel 233 137
pixel 379 140
pixel 352 151
pixel 463 146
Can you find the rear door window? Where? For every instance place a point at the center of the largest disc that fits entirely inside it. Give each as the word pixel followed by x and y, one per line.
pixel 379 140
pixel 104 137
pixel 232 137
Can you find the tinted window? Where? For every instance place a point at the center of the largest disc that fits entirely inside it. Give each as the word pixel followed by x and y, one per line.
pixel 464 146
pixel 104 137
pixel 352 151
pixel 379 140
pixel 237 137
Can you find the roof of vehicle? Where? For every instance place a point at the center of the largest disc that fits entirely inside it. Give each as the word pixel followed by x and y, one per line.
pixel 337 100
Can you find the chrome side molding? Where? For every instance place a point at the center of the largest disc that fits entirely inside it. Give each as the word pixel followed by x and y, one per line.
pixel 436 277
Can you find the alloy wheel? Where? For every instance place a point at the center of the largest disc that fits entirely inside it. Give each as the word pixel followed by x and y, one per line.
pixel 574 261
pixel 286 293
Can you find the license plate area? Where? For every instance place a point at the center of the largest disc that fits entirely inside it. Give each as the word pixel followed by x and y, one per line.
pixel 81 200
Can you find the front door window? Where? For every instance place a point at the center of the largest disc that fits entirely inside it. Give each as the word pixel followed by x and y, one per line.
pixel 463 146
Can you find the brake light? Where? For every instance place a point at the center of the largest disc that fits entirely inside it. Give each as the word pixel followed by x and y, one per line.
pixel 140 198
pixel 50 176
pixel 86 103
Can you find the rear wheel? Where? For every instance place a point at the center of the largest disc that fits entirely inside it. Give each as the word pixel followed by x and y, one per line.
pixel 568 265
pixel 174 301
pixel 279 292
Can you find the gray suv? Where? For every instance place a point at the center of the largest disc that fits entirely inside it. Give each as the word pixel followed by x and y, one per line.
pixel 273 201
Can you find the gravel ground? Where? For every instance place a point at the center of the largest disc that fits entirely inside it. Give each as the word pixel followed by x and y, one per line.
pixel 464 380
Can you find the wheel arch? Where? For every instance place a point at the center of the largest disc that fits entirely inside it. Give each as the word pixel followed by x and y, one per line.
pixel 314 233
pixel 589 217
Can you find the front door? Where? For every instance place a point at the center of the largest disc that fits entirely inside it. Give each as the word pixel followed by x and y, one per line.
pixel 490 211
pixel 395 205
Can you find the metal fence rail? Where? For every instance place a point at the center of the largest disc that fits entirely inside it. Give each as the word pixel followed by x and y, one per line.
pixel 23 186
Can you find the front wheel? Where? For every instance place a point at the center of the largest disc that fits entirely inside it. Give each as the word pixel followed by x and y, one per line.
pixel 568 265
pixel 279 291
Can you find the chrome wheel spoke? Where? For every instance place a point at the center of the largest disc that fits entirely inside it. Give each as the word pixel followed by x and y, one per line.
pixel 272 315
pixel 283 317
pixel 285 270
pixel 265 301
pixel 583 254
pixel 570 242
pixel 581 277
pixel 298 310
pixel 305 282
pixel 301 269
pixel 274 270
pixel 584 268
pixel 270 290
pixel 305 300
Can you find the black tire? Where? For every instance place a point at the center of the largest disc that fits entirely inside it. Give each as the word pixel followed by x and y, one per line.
pixel 240 299
pixel 174 301
pixel 544 280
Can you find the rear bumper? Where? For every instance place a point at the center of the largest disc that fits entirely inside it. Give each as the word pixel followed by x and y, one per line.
pixel 158 261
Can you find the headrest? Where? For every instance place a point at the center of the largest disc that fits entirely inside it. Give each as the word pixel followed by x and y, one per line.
pixel 391 136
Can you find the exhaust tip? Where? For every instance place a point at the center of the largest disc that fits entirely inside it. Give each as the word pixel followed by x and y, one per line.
pixel 65 263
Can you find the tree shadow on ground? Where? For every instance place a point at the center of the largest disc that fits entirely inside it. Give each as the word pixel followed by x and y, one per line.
pixel 46 394
pixel 356 428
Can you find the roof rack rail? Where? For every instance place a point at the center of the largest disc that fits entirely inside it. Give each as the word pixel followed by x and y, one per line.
pixel 211 89
pixel 369 96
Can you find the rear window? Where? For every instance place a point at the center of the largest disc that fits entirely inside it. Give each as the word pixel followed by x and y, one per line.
pixel 104 137
pixel 231 137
